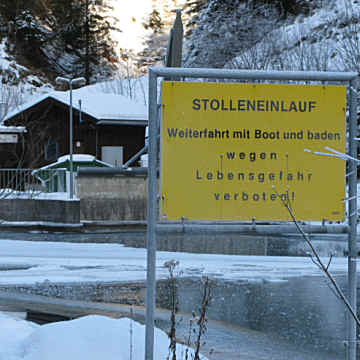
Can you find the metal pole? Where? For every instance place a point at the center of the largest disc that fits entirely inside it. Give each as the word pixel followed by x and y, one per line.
pixel 70 82
pixel 254 74
pixel 151 219
pixel 351 354
pixel 71 145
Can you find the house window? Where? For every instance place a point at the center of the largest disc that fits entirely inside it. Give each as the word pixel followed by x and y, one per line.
pixel 51 150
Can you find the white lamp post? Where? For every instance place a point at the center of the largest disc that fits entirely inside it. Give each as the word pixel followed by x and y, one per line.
pixel 70 82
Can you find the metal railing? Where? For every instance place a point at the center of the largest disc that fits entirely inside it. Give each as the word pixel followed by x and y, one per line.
pixel 30 183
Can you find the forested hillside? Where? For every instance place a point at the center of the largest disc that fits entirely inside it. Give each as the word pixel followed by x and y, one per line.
pixel 60 36
pixel 41 39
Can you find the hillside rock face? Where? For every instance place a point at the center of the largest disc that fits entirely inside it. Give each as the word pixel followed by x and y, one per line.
pixel 278 34
pixel 225 28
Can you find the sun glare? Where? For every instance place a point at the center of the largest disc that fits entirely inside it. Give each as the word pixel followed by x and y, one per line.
pixel 131 16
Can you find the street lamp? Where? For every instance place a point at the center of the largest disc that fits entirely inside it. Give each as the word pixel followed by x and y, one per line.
pixel 70 82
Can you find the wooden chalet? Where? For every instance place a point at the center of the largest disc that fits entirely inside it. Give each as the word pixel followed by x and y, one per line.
pixel 108 126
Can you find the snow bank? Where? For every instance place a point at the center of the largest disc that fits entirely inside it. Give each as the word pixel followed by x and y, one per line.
pixel 91 337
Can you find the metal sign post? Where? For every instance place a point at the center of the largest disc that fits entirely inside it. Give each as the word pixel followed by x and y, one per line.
pixel 151 219
pixel 352 247
pixel 153 195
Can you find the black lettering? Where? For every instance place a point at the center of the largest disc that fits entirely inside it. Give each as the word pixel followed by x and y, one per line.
pixel 312 105
pixel 251 104
pixel 283 109
pixel 223 108
pixel 302 106
pixel 217 104
pixel 205 101
pixel 260 105
pixel 172 132
pixel 274 105
pixel 257 133
pixel 241 105
pixel 196 104
pixel 292 106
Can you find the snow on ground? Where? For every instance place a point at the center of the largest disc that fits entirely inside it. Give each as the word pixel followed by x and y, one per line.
pixel 35 194
pixel 92 337
pixel 75 262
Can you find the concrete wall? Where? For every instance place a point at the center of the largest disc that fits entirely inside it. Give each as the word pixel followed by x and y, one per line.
pixel 111 197
pixel 57 211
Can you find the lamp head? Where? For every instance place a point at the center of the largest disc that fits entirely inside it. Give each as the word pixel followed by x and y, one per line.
pixel 62 80
pixel 78 81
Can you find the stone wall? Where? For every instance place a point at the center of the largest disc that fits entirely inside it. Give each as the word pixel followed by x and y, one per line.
pixel 303 310
pixel 57 211
pixel 126 292
pixel 111 197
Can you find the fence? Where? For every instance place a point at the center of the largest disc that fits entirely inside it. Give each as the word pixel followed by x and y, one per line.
pixel 30 183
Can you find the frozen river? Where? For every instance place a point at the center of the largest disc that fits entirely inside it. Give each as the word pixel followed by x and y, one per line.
pixel 276 304
pixel 34 261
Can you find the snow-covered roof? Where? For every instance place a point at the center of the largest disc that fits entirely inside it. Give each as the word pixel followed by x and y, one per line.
pixel 77 158
pixel 99 105
pixel 12 129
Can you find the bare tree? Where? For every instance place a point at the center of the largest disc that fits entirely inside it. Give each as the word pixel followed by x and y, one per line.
pixel 129 86
pixel 11 96
pixel 349 45
pixel 315 257
pixel 171 266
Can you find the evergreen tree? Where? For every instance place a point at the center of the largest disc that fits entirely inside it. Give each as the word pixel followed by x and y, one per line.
pixel 95 42
pixel 154 22
pixel 9 12
pixel 85 26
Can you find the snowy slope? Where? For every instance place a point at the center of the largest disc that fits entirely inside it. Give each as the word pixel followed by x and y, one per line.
pixel 17 82
pixel 228 34
pixel 321 37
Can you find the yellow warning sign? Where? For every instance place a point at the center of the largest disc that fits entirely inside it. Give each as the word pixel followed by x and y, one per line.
pixel 236 151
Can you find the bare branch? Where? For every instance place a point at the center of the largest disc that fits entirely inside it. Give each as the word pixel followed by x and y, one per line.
pixel 320 264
